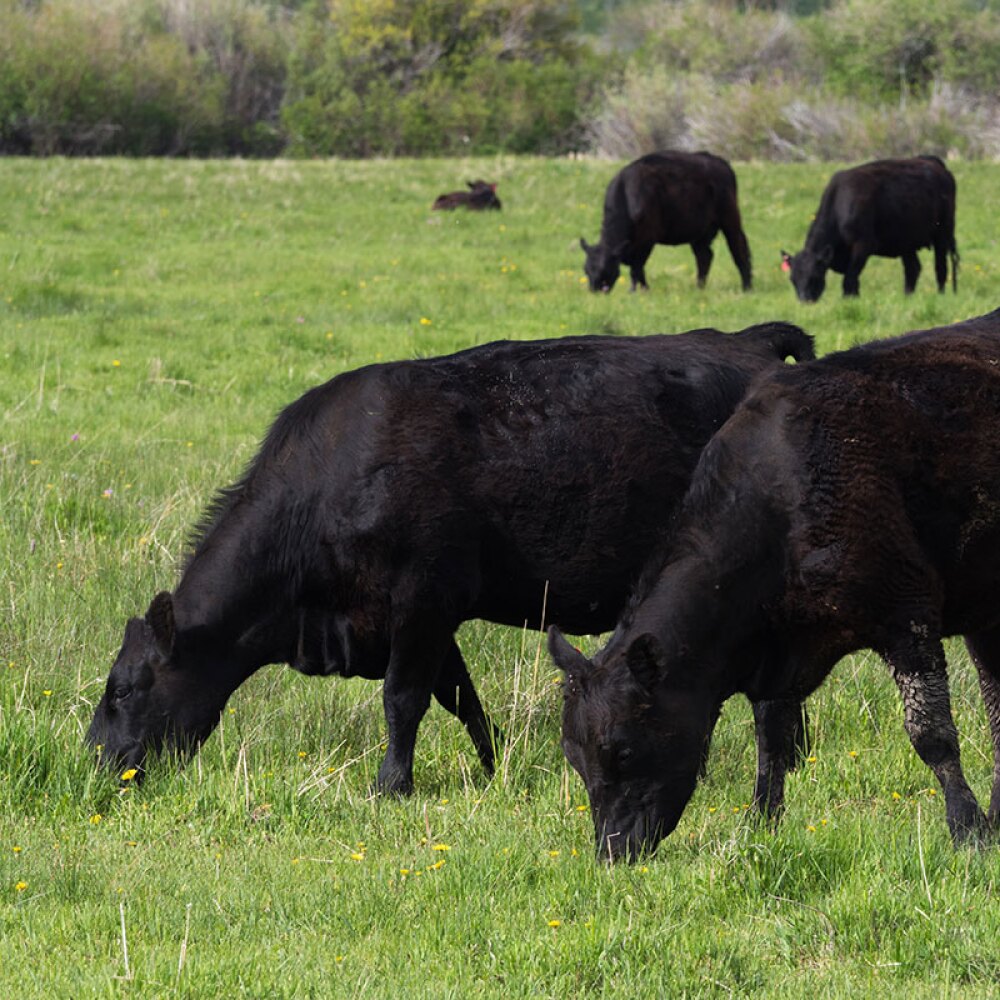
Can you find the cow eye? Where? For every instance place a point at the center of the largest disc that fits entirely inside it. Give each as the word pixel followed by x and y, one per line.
pixel 121 693
pixel 624 756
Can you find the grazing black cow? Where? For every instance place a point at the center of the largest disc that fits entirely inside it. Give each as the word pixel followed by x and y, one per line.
pixel 481 195
pixel 669 198
pixel 849 503
pixel 394 502
pixel 888 208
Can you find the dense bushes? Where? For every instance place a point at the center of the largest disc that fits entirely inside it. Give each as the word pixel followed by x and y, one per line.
pixel 793 79
pixel 861 78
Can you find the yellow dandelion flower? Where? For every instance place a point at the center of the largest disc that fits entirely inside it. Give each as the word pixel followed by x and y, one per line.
pixel 932 791
pixel 553 854
pixel 47 694
pixel 116 363
pixel 96 818
pixel 896 796
pixel 303 755
pixel 404 871
pixel 852 753
pixel 16 849
pixel 129 774
pixel 338 958
pixel 811 828
pixel 581 809
pixel 441 847
pixel 811 759
pixel 20 886
pixel 358 856
pixel 424 321
pixel 555 923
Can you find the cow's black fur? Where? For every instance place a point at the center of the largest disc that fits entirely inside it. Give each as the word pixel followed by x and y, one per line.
pixel 849 503
pixel 887 208
pixel 397 501
pixel 481 195
pixel 669 198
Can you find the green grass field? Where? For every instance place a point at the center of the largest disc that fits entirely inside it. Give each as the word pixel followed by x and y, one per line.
pixel 154 316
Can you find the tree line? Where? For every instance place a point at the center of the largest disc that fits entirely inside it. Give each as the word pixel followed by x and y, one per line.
pixel 786 79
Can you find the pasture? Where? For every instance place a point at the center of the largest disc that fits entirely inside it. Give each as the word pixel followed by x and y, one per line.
pixel 154 317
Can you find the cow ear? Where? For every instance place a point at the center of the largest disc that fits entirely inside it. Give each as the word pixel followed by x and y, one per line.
pixel 786 261
pixel 646 660
pixel 568 659
pixel 160 618
pixel 471 185
pixel 584 245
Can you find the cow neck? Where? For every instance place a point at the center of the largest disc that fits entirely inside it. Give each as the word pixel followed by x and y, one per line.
pixel 227 613
pixel 709 606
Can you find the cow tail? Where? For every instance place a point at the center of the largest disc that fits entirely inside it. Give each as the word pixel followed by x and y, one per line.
pixel 785 340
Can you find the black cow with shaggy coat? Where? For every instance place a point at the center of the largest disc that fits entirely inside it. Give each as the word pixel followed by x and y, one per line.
pixel 669 198
pixel 887 208
pixel 507 482
pixel 849 503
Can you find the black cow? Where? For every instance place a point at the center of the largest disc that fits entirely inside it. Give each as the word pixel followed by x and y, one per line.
pixel 888 208
pixel 397 501
pixel 481 195
pixel 669 198
pixel 852 502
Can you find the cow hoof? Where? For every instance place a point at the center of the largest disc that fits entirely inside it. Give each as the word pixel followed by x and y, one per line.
pixel 969 827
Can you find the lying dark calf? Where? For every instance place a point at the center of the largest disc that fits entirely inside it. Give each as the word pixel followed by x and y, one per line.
pixel 481 195
pixel 849 503
pixel 391 504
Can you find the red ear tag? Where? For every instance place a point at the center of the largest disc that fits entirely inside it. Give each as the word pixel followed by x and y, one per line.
pixel 785 266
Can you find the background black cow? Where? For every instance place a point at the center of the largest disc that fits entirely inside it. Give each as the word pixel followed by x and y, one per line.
pixel 668 198
pixel 852 502
pixel 395 502
pixel 481 195
pixel 887 208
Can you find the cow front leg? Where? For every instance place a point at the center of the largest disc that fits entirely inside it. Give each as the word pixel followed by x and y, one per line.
pixel 911 271
pixel 855 265
pixel 985 650
pixel 779 730
pixel 921 676
pixel 703 259
pixel 414 663
pixel 637 267
pixel 455 692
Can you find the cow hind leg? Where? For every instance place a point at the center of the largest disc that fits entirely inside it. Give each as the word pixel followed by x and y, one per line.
pixel 941 265
pixel 984 648
pixel 740 250
pixel 703 258
pixel 455 692
pixel 919 671
pixel 911 271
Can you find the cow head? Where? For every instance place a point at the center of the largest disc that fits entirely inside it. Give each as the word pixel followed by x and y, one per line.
pixel 807 269
pixel 602 266
pixel 635 737
pixel 150 701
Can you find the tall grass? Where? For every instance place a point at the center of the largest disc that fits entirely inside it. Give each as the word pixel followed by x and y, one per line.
pixel 153 318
